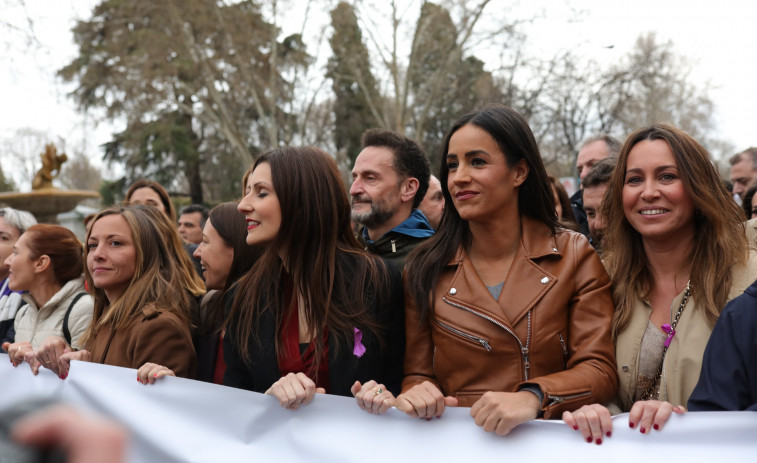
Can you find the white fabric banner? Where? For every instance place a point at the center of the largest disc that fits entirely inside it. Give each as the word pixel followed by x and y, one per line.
pixel 189 421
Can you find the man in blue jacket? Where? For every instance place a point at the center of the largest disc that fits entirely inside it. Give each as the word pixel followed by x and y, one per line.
pixel 729 370
pixel 389 180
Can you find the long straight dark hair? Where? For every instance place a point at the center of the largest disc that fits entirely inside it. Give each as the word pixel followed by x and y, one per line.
pixel 336 278
pixel 515 139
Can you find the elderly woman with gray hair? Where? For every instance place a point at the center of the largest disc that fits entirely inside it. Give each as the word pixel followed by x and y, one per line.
pixel 12 224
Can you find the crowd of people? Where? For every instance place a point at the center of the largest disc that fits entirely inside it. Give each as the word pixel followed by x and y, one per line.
pixel 485 286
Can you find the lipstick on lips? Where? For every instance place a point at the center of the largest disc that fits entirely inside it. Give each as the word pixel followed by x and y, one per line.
pixel 464 195
pixel 252 224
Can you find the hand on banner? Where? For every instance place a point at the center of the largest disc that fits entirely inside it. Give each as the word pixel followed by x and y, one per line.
pixel 149 372
pixel 84 439
pixel 424 400
pixel 64 362
pixel 652 414
pixel 372 397
pixel 48 355
pixel 593 421
pixel 16 351
pixel 501 412
pixel 293 390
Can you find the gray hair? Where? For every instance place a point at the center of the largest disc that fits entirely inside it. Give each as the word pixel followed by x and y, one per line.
pixel 19 219
pixel 747 152
pixel 613 144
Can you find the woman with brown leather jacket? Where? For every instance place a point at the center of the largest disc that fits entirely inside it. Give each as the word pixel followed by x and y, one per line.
pixel 505 312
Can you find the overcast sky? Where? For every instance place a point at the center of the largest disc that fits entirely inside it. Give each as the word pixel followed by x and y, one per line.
pixel 719 37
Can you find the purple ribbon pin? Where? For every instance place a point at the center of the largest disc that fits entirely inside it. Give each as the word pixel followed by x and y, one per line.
pixel 671 332
pixel 359 348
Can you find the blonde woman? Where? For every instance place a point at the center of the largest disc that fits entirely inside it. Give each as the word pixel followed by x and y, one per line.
pixel 140 312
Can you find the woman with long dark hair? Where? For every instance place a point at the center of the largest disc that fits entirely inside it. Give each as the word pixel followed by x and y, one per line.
pixel 506 312
pixel 316 313
pixel 225 257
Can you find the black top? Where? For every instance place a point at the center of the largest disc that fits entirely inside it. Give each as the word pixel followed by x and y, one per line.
pixel 380 362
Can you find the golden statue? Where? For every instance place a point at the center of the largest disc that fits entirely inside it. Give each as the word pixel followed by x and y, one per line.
pixel 51 163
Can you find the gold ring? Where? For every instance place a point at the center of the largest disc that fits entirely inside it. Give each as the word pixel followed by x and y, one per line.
pixel 377 391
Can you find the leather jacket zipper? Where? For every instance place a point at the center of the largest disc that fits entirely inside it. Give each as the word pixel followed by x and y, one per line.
pixel 483 342
pixel 394 247
pixel 558 399
pixel 524 350
pixel 564 351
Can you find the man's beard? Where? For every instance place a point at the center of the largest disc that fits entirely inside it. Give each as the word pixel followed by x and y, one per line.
pixel 372 218
pixel 596 240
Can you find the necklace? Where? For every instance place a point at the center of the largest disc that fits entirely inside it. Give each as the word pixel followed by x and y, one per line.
pixel 653 392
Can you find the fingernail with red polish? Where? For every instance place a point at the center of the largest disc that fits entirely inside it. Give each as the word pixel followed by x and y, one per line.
pixel 599 441
pixel 155 375
pixel 643 430
pixel 589 439
pixel 575 428
pixel 428 419
pixel 656 427
pixel 630 424
pixel 609 433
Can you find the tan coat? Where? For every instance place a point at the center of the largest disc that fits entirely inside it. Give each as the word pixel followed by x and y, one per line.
pixel 750 227
pixel 550 327
pixel 156 336
pixel 35 324
pixel 683 360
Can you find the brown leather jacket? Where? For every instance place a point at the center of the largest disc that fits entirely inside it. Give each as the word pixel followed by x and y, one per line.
pixel 550 327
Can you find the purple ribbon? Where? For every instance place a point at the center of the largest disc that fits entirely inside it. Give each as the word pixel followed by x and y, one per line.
pixel 671 332
pixel 359 348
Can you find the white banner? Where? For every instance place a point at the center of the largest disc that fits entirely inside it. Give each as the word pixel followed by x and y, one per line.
pixel 190 421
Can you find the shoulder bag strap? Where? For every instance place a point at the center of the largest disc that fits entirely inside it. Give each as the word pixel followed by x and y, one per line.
pixel 66 331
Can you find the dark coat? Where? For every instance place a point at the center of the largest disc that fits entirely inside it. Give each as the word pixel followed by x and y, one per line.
pixel 397 243
pixel 382 363
pixel 577 204
pixel 728 380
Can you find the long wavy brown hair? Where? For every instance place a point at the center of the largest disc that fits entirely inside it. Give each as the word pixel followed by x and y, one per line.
pixel 155 281
pixel 186 273
pixel 720 241
pixel 335 277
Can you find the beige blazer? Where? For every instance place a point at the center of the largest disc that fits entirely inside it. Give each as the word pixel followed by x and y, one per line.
pixel 683 360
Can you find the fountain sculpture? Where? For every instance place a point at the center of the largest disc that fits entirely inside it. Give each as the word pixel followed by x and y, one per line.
pixel 46 201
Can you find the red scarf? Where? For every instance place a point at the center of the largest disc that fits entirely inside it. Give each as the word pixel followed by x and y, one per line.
pixel 290 360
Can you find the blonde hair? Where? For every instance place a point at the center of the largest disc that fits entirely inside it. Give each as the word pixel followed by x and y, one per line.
pixel 155 281
pixel 188 277
pixel 720 236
